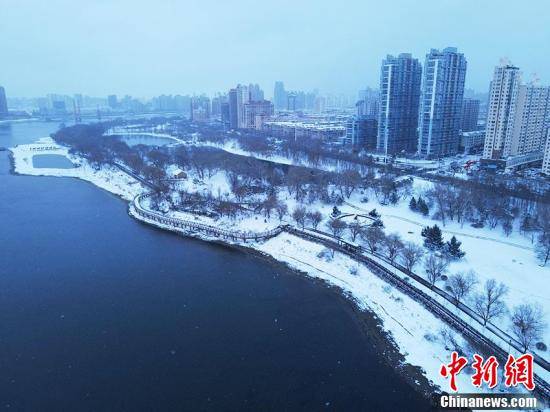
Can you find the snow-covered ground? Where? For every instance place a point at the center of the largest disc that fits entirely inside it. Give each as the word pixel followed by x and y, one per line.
pixel 108 178
pixel 414 329
pixel 508 259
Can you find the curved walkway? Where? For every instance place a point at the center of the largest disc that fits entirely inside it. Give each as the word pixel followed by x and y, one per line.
pixel 192 226
pixel 377 264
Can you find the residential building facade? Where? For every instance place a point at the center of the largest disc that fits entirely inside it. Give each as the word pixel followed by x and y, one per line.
pixel 441 103
pixel 361 132
pixel 400 79
pixel 501 112
pixel 470 115
pixel 546 158
pixel 279 96
pixel 256 113
pixel 531 118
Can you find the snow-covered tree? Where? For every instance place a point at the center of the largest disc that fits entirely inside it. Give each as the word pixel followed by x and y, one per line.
pixel 314 218
pixel 392 246
pixel 542 248
pixel 373 237
pixel 337 227
pixel 299 216
pixel 452 249
pixel 433 239
pixel 411 254
pixel 461 284
pixel 528 324
pixel 354 229
pixel 435 268
pixel 488 304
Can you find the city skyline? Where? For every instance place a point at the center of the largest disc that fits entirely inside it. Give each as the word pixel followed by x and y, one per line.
pixel 184 54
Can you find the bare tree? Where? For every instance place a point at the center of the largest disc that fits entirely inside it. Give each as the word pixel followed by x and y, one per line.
pixel 411 255
pixel 489 304
pixel 299 215
pixel 354 229
pixel 282 210
pixel 269 204
pixel 373 237
pixel 337 227
pixel 461 284
pixel 440 196
pixel 348 181
pixel 528 324
pixel 314 218
pixel 542 248
pixel 507 226
pixel 435 268
pixel 393 245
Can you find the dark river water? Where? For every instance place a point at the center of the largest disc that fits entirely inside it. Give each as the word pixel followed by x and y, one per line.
pixel 101 313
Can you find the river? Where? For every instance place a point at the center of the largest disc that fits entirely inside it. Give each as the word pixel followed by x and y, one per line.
pixel 100 312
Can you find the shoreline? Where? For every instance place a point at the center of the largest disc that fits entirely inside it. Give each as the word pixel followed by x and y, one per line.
pixel 367 320
pixel 411 338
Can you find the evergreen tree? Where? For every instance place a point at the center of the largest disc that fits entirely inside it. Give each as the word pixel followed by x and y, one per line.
pixel 412 204
pixel 452 249
pixel 433 239
pixel 378 223
pixel 422 207
pixel 373 213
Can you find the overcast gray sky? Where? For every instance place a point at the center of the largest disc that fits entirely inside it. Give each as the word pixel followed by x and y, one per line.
pixel 146 48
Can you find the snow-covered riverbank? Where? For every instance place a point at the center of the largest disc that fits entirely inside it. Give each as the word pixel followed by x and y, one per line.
pixel 108 178
pixel 416 332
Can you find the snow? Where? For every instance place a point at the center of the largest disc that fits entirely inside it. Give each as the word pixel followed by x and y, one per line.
pixel 416 332
pixel 510 260
pixel 489 253
pixel 108 178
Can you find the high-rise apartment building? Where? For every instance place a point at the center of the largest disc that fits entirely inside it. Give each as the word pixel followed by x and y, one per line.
pixel 361 131
pixel 291 98
pixel 225 114
pixel 112 101
pixel 400 79
pixel 501 112
pixel 256 113
pixel 531 119
pixel 199 109
pixel 256 93
pixel 546 158
pixel 3 103
pixel 237 99
pixel 279 96
pixel 441 103
pixel 470 115
pixel 369 103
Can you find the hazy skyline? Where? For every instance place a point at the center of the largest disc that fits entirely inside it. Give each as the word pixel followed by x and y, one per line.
pixel 167 47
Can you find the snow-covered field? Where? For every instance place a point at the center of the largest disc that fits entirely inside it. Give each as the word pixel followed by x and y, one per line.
pixel 415 330
pixel 508 259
